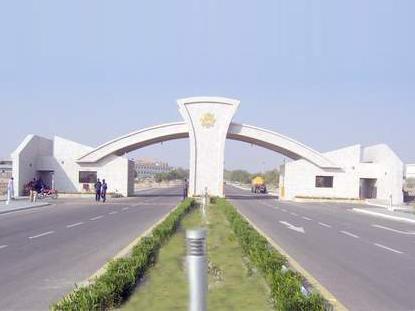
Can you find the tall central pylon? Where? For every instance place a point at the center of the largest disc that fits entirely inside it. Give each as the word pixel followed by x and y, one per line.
pixel 208 119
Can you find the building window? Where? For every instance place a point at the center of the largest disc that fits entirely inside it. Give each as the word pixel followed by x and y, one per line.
pixel 87 177
pixel 324 181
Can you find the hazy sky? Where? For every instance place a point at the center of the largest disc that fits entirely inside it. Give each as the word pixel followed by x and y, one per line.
pixel 328 73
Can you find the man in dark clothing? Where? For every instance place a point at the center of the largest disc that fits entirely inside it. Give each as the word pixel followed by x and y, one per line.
pixel 98 186
pixel 104 188
pixel 185 189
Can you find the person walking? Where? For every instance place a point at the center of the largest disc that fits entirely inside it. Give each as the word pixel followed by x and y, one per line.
pixel 185 189
pixel 104 188
pixel 98 186
pixel 10 191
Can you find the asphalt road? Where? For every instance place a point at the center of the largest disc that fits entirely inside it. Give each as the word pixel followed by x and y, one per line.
pixel 45 251
pixel 367 263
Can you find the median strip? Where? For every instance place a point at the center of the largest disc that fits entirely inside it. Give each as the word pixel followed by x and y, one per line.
pixel 41 235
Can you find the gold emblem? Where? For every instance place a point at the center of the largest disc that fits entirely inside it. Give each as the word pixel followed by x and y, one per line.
pixel 208 120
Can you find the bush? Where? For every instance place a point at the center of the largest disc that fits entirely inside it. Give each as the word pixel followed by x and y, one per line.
pixel 285 286
pixel 116 284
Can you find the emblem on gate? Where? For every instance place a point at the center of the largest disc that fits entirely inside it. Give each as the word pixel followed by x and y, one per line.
pixel 208 120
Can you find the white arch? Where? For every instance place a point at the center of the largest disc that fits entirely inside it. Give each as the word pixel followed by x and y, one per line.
pixel 246 133
pixel 279 143
pixel 137 140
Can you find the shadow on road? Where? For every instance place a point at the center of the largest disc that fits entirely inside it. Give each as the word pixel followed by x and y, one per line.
pixel 251 197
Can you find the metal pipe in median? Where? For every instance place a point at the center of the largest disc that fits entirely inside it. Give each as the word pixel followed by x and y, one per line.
pixel 197 269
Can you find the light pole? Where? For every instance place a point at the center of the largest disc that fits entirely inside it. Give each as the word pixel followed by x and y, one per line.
pixel 197 269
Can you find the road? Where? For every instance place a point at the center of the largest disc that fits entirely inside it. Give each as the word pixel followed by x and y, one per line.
pixel 367 263
pixel 45 251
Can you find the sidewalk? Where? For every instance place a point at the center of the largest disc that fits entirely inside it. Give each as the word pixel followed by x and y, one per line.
pixel 403 215
pixel 20 204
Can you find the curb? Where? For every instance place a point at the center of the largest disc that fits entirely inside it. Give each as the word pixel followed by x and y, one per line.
pixel 24 208
pixel 376 214
pixel 337 305
pixel 126 250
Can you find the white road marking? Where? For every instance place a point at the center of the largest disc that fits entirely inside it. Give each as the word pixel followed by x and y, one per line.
pixel 350 234
pixel 96 218
pixel 40 235
pixel 112 213
pixel 306 218
pixel 294 214
pixel 292 227
pixel 388 248
pixel 3 246
pixel 393 230
pixel 324 225
pixel 74 225
pixel 125 208
pixel 284 210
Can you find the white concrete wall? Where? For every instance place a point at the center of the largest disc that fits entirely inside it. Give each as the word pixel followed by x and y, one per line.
pixel 60 155
pixel 390 172
pixel 25 159
pixel 382 164
pixel 300 176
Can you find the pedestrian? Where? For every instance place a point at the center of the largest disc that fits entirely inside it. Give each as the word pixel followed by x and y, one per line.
pixel 185 189
pixel 10 191
pixel 104 188
pixel 98 190
pixel 33 190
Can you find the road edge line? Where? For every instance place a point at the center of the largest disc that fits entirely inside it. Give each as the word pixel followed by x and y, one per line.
pixel 126 250
pixel 337 305
pixel 391 217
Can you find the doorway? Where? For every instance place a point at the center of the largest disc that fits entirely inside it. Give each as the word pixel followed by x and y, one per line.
pixel 368 188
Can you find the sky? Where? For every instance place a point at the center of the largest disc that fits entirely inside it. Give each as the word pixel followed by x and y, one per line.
pixel 328 73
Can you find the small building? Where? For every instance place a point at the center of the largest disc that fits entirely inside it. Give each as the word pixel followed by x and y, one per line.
pixel 148 168
pixel 55 161
pixel 410 171
pixel 374 172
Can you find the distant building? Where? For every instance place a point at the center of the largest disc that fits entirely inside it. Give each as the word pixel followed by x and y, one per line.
pixel 373 172
pixel 5 174
pixel 410 171
pixel 148 168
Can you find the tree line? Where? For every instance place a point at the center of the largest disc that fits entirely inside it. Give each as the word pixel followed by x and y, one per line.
pixel 271 177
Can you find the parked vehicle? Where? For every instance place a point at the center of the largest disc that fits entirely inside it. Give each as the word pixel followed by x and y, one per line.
pixel 47 194
pixel 258 185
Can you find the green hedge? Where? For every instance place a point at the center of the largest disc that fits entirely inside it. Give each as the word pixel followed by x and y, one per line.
pixel 116 284
pixel 285 286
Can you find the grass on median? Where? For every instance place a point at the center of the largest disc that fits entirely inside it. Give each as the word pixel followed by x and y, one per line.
pixel 119 280
pixel 234 284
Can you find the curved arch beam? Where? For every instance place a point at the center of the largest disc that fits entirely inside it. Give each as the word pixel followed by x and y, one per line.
pixel 240 132
pixel 278 143
pixel 137 140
